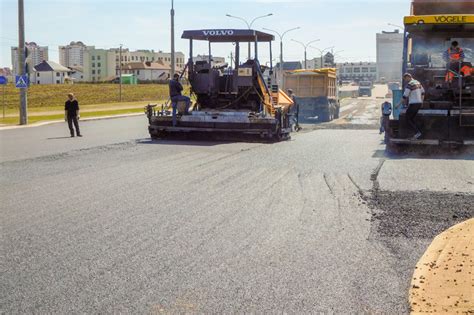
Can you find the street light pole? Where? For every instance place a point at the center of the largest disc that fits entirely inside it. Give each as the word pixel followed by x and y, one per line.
pixel 120 74
pixel 21 62
pixel 395 25
pixel 249 25
pixel 281 79
pixel 172 41
pixel 322 52
pixel 305 46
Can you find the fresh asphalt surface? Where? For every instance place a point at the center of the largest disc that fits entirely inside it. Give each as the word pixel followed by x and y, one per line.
pixel 114 222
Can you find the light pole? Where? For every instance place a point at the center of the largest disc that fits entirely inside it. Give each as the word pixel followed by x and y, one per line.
pixel 172 40
pixel 281 35
pixel 395 25
pixel 249 25
pixel 321 51
pixel 305 46
pixel 337 54
pixel 22 63
pixel 120 74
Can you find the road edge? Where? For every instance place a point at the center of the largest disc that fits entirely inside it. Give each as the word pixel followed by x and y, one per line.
pixel 43 123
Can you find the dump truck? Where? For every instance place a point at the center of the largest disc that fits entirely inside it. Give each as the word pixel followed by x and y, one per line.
pixel 447 113
pixel 229 101
pixel 315 93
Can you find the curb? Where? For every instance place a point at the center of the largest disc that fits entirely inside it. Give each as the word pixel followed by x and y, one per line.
pixel 442 282
pixel 39 124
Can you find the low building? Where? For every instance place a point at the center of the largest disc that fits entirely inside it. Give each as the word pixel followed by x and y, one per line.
pixel 49 72
pixel 76 74
pixel 326 61
pixel 357 71
pixel 148 71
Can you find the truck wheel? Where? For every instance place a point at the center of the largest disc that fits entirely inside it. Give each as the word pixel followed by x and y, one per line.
pixel 393 148
pixel 336 115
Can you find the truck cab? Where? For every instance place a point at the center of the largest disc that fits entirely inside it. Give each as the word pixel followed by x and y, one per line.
pixel 365 88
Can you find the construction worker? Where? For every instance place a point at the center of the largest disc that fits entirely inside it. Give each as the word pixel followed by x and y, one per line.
pixel 413 99
pixel 175 95
pixel 454 56
pixel 386 112
pixel 294 110
pixel 467 70
pixel 71 114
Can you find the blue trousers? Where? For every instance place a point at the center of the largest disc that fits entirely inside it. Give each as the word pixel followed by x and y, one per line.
pixel 174 104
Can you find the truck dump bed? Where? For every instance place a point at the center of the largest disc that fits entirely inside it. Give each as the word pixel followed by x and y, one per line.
pixel 312 83
pixel 315 93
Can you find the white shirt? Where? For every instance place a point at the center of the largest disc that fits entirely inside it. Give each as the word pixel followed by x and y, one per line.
pixel 414 91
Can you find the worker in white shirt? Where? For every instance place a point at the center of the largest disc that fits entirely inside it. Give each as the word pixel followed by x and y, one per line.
pixel 413 98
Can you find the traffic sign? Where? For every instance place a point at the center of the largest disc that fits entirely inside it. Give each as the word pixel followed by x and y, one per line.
pixel 21 81
pixel 3 80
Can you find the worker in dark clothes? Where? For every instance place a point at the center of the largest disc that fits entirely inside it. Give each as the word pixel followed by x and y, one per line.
pixel 294 110
pixel 71 114
pixel 386 109
pixel 175 95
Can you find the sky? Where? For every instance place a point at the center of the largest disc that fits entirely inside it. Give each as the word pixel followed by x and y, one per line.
pixel 348 25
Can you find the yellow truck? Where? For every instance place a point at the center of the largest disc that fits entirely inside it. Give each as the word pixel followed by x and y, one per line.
pixel 315 93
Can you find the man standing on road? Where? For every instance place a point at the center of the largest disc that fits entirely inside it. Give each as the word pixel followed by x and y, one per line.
pixel 71 113
pixel 294 110
pixel 175 95
pixel 413 98
pixel 386 112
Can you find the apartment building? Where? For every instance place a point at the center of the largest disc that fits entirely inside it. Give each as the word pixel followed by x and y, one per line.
pixel 72 55
pixel 35 55
pixel 99 65
pixel 389 55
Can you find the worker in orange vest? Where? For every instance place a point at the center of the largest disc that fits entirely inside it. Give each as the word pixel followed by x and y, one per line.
pixel 454 56
pixel 467 70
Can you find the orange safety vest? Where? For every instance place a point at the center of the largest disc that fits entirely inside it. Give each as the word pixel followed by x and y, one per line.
pixel 467 71
pixel 454 54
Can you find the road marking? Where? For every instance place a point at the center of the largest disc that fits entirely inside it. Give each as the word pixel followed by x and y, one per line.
pixel 346 108
pixel 43 123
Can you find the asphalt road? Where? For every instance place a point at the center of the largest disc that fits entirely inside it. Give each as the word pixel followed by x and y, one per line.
pixel 114 222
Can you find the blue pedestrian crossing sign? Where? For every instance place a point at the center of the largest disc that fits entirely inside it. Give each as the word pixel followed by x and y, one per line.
pixel 21 81
pixel 3 80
